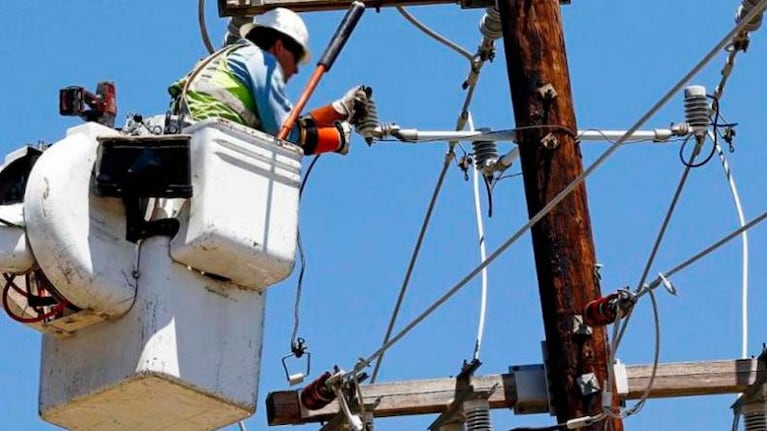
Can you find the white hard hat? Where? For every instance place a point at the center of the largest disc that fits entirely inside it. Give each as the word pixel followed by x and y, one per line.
pixel 286 22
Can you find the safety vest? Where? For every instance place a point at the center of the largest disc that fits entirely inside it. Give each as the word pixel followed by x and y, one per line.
pixel 212 91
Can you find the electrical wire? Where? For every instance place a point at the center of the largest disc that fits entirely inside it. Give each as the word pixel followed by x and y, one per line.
pixel 504 177
pixel 460 124
pixel 5 222
pixel 637 407
pixel 482 254
pixel 433 34
pixel 41 317
pixel 302 259
pixel 241 424
pixel 569 188
pixel 715 245
pixel 204 27
pixel 744 246
pixel 709 55
pixel 414 257
pixel 659 237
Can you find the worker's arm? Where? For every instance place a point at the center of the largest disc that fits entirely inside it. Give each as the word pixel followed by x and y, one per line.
pixel 352 107
pixel 263 78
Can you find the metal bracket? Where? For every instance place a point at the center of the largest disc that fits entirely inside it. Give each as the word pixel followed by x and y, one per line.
pixel 530 385
pixel 464 391
pixel 588 384
pixel 580 328
pixel 547 92
pixel 756 393
pixel 550 142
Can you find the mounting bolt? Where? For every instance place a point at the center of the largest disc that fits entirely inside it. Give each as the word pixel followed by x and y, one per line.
pixel 588 384
pixel 550 142
pixel 580 328
pixel 547 92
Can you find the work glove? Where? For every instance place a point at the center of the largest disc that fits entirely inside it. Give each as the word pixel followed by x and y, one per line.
pixel 366 125
pixel 345 137
pixel 353 105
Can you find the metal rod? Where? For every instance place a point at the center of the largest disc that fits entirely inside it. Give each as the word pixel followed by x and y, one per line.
pixel 415 135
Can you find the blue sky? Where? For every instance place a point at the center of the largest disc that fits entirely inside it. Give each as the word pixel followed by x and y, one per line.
pixel 361 213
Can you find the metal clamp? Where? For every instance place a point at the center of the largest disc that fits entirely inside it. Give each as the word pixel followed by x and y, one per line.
pixel 298 349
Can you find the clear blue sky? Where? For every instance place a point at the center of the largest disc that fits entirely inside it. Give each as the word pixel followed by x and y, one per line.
pixel 360 213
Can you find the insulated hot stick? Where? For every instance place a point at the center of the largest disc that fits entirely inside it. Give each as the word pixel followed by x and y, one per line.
pixel 326 62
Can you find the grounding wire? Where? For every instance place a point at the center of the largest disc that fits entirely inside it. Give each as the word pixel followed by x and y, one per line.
pixel 416 250
pixel 204 27
pixel 570 187
pixel 482 255
pixel 744 246
pixel 433 34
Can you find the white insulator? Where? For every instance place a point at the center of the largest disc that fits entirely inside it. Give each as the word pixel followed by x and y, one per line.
pixel 696 109
pixel 477 414
pixel 367 126
pixel 485 153
pixel 743 10
pixel 754 416
pixel 490 24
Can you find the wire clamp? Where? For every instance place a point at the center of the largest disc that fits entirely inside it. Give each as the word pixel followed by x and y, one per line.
pixel 667 284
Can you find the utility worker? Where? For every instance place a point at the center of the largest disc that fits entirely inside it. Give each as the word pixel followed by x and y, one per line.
pixel 245 82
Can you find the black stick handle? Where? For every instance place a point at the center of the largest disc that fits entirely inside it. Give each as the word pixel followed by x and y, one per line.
pixel 350 21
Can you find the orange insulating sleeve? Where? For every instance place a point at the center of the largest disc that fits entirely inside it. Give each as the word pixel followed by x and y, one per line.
pixel 310 86
pixel 328 140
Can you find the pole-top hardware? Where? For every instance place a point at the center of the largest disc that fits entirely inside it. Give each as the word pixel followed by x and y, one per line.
pixel 547 92
pixel 588 384
pixel 550 142
pixel 580 328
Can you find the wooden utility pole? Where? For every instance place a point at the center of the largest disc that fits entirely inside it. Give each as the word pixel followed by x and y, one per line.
pixel 564 249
